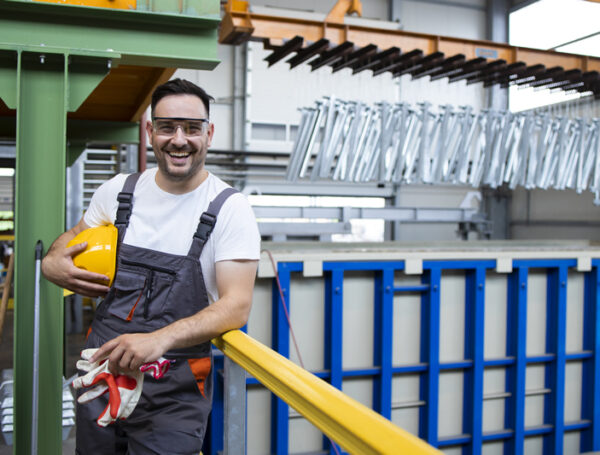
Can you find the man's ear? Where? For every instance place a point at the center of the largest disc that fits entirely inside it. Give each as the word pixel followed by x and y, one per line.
pixel 149 130
pixel 210 133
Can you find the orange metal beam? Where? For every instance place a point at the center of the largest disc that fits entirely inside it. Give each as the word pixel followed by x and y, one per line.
pixel 240 24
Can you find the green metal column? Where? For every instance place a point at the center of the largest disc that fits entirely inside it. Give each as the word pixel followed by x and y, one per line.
pixel 46 85
pixel 51 58
pixel 39 214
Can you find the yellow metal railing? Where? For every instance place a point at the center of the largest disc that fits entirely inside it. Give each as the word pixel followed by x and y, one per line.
pixel 356 428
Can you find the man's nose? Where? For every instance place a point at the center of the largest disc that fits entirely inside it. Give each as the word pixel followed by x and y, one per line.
pixel 179 136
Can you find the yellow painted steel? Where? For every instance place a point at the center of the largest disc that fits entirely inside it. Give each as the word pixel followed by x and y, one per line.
pixel 115 4
pixel 356 428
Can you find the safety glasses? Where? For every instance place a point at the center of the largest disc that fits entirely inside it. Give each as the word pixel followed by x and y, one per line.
pixel 191 127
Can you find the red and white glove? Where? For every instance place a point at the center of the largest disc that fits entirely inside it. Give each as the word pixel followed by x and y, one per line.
pixel 124 390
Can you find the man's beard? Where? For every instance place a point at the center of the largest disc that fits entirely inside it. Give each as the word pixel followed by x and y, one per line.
pixel 194 168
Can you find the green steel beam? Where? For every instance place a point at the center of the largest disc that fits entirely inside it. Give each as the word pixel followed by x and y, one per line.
pixel 8 80
pixel 144 38
pixel 74 151
pixel 101 132
pixel 85 131
pixel 81 133
pixel 47 86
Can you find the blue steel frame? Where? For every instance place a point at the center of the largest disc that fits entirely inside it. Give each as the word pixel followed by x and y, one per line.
pixel 474 363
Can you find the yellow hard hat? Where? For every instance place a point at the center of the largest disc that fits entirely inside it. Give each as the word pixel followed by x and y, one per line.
pixel 100 256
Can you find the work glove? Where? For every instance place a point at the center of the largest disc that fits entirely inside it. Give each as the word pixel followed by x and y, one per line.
pixel 124 390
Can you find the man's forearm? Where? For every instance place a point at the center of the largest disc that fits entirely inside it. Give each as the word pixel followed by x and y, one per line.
pixel 129 351
pixel 235 282
pixel 48 266
pixel 223 315
pixel 58 267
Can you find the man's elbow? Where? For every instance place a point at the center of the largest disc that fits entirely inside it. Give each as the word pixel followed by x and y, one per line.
pixel 242 313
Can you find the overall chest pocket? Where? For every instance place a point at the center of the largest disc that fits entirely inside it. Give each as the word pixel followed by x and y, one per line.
pixel 141 292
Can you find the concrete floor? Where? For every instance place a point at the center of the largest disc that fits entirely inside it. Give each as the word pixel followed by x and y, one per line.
pixel 74 344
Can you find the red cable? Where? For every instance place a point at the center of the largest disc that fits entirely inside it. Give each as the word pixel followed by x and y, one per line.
pixel 287 316
pixel 285 310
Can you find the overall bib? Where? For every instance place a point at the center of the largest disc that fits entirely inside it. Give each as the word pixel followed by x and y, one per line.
pixel 151 290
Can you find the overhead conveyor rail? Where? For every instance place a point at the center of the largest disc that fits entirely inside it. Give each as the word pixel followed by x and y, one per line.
pixel 355 427
pixel 336 42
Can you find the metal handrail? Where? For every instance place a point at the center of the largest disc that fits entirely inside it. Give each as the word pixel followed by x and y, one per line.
pixel 352 425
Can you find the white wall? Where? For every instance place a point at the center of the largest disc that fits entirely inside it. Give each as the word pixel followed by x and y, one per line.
pixel 276 93
pixel 446 20
pixel 553 214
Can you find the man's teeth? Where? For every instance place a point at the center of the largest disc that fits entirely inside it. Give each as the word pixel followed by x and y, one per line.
pixel 179 154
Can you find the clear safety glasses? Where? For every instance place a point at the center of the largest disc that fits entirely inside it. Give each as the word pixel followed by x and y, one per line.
pixel 191 127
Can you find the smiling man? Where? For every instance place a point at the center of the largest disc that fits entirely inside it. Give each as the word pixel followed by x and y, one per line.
pixel 186 264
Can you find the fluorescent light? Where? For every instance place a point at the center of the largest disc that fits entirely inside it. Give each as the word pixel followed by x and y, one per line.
pixel 589 46
pixel 550 23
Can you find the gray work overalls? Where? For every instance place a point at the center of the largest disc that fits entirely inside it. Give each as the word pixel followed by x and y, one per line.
pixel 151 290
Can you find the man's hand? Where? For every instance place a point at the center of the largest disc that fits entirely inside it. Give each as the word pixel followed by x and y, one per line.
pixel 124 390
pixel 58 266
pixel 128 352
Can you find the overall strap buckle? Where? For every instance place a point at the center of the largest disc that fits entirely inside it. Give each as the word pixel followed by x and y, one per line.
pixel 205 226
pixel 124 209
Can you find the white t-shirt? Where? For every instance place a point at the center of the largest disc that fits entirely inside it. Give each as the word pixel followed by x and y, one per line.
pixel 166 222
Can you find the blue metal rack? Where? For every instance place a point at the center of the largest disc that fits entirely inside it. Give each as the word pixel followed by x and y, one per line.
pixel 473 366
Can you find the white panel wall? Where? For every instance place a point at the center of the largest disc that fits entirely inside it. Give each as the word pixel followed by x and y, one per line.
pixel 452 19
pixel 553 214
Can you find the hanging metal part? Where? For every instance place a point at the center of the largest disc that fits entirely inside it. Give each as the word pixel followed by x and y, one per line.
pixel 436 67
pixel 375 60
pixel 308 52
pixel 398 63
pixel 394 143
pixel 481 61
pixel 470 69
pixel 282 52
pixel 332 55
pixel 424 63
pixel 503 76
pixel 596 183
pixel 355 57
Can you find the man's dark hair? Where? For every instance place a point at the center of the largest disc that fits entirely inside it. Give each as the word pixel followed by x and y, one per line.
pixel 181 87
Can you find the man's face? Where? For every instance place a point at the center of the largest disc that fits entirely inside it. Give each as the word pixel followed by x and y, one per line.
pixel 180 156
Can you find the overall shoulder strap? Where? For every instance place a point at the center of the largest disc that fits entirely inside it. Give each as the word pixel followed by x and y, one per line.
pixel 207 222
pixel 125 198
